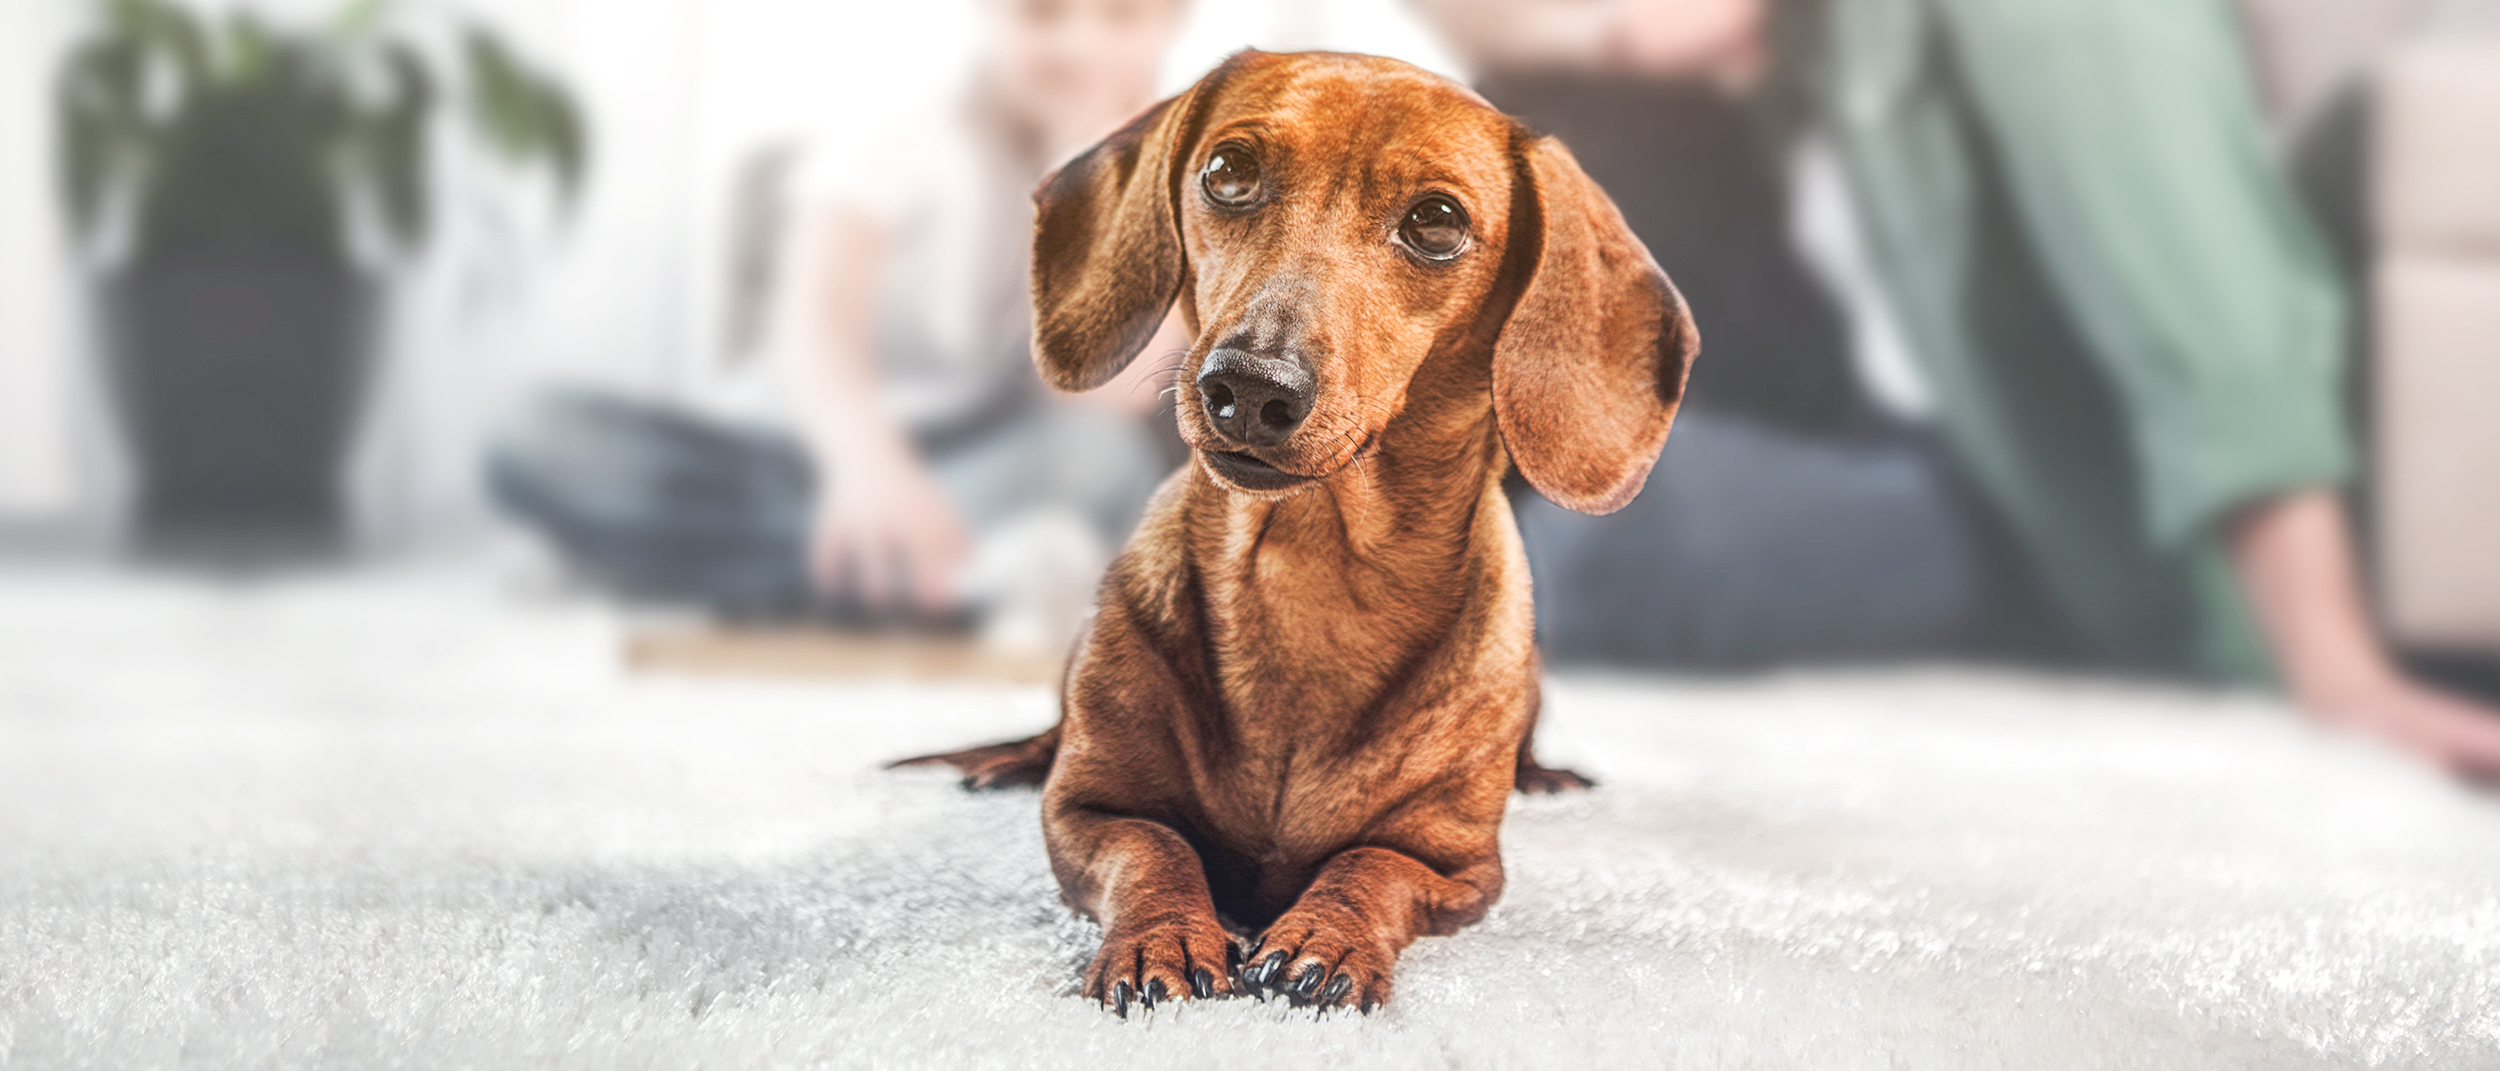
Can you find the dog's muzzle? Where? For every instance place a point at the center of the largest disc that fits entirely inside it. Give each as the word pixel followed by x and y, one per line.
pixel 1254 399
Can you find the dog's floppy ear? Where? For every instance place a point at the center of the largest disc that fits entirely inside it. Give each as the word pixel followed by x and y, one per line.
pixel 1107 258
pixel 1591 364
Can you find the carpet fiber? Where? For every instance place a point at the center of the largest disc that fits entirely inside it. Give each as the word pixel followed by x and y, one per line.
pixel 405 820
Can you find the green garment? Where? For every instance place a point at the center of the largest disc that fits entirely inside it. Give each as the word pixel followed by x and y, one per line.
pixel 2128 324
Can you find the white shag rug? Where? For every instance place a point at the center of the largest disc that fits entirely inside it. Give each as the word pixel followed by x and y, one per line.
pixel 402 820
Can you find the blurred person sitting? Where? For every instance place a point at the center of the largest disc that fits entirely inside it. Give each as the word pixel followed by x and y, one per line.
pixel 923 438
pixel 2008 316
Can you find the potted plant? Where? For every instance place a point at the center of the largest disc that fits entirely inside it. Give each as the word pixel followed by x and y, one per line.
pixel 239 190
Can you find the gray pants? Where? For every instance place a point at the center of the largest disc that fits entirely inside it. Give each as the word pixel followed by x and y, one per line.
pixel 1751 546
pixel 1754 546
pixel 660 504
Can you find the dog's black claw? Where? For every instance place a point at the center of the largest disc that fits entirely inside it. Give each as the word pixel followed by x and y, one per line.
pixel 1154 994
pixel 1337 989
pixel 1120 996
pixel 1268 969
pixel 1307 982
pixel 1202 983
pixel 1368 1005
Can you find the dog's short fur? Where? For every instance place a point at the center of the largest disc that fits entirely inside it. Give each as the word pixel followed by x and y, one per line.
pixel 1308 689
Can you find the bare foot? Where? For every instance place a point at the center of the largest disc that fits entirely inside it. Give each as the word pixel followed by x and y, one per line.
pixel 2456 733
pixel 2295 558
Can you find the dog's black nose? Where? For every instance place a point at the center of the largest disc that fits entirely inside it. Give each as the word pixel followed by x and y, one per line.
pixel 1254 399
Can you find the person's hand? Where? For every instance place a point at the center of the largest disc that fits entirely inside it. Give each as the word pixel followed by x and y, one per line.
pixel 2295 558
pixel 2451 731
pixel 886 534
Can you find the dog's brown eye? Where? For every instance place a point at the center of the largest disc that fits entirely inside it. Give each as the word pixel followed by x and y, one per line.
pixel 1232 175
pixel 1436 228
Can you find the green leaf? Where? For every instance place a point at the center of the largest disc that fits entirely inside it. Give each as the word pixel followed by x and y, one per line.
pixel 525 116
pixel 167 29
pixel 357 21
pixel 258 135
pixel 396 156
pixel 568 139
pixel 248 47
pixel 103 131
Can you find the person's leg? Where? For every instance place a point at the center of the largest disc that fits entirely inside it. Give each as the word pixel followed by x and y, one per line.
pixel 1095 463
pixel 1050 496
pixel 1754 547
pixel 1103 464
pixel 660 504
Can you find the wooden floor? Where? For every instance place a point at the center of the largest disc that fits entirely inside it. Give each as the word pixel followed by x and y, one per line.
pixel 717 650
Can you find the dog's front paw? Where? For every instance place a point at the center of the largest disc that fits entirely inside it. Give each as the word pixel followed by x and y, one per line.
pixel 1168 959
pixel 1325 958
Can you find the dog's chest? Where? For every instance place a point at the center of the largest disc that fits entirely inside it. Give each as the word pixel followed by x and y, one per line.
pixel 1299 638
pixel 1302 761
pixel 1283 813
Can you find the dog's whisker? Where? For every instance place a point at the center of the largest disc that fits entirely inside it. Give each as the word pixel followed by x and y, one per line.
pixel 1166 373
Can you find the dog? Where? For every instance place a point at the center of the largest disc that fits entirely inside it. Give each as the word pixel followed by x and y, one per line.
pixel 1308 689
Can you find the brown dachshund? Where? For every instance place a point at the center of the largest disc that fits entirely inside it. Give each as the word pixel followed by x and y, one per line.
pixel 1308 688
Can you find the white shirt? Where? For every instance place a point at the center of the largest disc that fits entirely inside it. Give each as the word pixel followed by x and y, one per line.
pixel 1824 229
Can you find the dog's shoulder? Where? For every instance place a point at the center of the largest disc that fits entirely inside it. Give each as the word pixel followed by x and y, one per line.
pixel 1153 591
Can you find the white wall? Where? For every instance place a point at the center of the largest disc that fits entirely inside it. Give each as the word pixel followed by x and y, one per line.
pixel 38 478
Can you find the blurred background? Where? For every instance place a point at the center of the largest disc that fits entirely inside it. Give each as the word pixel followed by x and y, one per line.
pixel 401 400
pixel 683 105
pixel 275 278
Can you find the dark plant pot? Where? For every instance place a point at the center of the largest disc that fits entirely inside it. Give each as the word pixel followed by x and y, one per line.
pixel 238 381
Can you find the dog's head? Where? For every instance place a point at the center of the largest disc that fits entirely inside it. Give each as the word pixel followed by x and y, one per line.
pixel 1337 223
